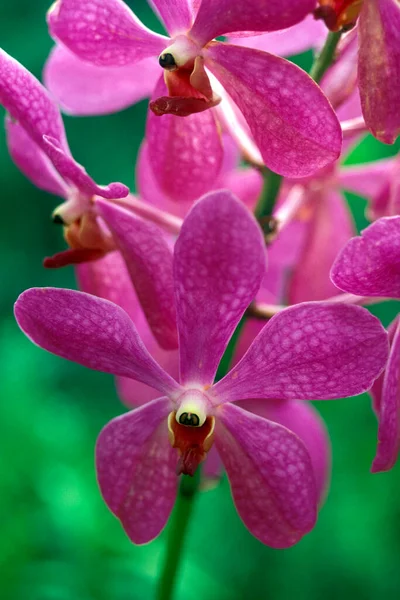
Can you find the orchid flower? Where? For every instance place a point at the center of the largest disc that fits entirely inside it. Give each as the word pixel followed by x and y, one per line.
pixel 38 145
pixel 369 265
pixel 310 351
pixel 378 58
pixel 291 121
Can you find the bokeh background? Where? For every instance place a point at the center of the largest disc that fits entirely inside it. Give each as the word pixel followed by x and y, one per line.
pixel 57 539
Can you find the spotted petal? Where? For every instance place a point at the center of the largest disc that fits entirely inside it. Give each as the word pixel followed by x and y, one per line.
pixel 228 16
pixel 379 67
pixel 369 265
pixel 185 152
pixel 271 476
pixel 292 122
pixel 136 470
pixel 302 419
pixel 149 261
pixel 311 351
pixel 84 89
pixel 389 410
pixel 103 32
pixel 90 331
pixel 219 262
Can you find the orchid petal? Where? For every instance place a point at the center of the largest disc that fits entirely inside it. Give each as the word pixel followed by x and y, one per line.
pixel 330 227
pixel 367 179
pixel 369 265
pixel 287 42
pixel 379 67
pixel 177 15
pixel 103 32
pixel 302 419
pixel 108 278
pixel 185 152
pixel 149 262
pixel 389 412
pixel 219 263
pixel 76 174
pixel 228 16
pixel 84 89
pixel 29 103
pixel 32 161
pixel 377 388
pixel 311 351
pixel 292 122
pixel 90 331
pixel 271 476
pixel 136 470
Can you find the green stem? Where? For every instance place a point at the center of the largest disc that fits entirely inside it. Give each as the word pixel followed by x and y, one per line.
pixel 269 193
pixel 177 530
pixel 325 58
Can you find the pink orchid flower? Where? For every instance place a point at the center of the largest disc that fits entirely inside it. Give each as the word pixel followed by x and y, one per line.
pixel 310 351
pixel 291 121
pixel 369 265
pixel 378 58
pixel 38 145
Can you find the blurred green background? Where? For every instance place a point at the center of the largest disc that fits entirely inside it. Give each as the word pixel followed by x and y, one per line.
pixel 58 541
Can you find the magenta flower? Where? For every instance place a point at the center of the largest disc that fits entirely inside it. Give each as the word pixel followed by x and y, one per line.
pixel 369 265
pixel 378 58
pixel 38 145
pixel 309 351
pixel 289 118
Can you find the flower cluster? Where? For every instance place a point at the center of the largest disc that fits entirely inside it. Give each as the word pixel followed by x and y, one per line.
pixel 242 158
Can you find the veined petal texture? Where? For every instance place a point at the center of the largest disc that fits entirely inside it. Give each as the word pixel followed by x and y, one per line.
pixel 311 351
pixel 90 331
pixel 219 263
pixel 291 120
pixel 177 15
pixel 103 32
pixel 136 470
pixel 271 476
pixel 369 265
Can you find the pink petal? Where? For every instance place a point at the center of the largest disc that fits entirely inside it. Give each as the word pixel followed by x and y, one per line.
pixel 76 174
pixel 245 183
pixel 330 227
pixel 185 152
pixel 376 389
pixel 103 32
pixel 108 278
pixel 29 103
pixel 228 16
pixel 302 419
pixel 369 265
pixel 299 38
pixel 389 414
pixel 149 261
pixel 379 67
pixel 219 262
pixel 292 122
pixel 340 80
pixel 311 351
pixel 177 15
pixel 32 161
pixel 271 476
pixel 136 470
pixel 84 89
pixel 90 331
pixel 367 179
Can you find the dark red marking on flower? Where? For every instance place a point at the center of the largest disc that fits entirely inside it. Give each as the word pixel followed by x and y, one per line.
pixel 72 256
pixel 189 92
pixel 338 14
pixel 192 443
